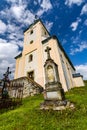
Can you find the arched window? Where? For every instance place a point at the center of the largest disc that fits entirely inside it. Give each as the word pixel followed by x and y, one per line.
pixel 30 58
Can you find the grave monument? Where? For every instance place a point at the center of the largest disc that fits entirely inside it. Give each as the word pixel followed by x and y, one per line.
pixel 54 97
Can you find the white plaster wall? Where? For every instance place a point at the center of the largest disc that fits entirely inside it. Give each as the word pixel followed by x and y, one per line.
pixel 31 66
pixel 20 68
pixel 78 81
pixel 68 70
pixel 30 37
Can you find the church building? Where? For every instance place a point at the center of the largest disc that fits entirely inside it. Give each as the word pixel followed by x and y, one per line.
pixel 30 62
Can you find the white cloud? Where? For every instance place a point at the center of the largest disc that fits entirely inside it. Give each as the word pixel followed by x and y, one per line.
pixel 71 2
pixel 84 9
pixel 40 12
pixel 8 50
pixel 48 25
pixel 64 41
pixel 12 1
pixel 79 48
pixel 39 1
pixel 74 25
pixel 17 11
pixel 27 18
pixel 18 2
pixel 35 2
pixel 46 4
pixel 7 53
pixel 85 22
pixel 14 34
pixel 75 39
pixel 82 69
pixel 2 27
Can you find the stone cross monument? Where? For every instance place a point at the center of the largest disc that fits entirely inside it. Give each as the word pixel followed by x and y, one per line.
pixel 6 81
pixel 54 97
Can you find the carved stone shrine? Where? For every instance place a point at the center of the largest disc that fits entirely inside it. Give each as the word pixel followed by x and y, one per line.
pixel 54 97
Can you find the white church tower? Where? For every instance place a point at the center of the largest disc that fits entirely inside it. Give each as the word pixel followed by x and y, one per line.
pixel 30 62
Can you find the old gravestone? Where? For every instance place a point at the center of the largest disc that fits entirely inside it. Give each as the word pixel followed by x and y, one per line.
pixel 54 97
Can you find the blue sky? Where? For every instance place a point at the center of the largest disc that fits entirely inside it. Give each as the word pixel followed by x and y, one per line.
pixel 67 19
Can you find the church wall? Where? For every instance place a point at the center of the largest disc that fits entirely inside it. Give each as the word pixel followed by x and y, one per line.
pixel 31 65
pixel 29 48
pixel 68 70
pixel 44 33
pixel 40 58
pixel 19 72
pixel 29 36
pixel 60 67
pixel 16 68
pixel 20 67
pixel 78 81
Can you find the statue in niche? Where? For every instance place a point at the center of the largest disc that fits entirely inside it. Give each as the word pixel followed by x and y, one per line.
pixel 50 74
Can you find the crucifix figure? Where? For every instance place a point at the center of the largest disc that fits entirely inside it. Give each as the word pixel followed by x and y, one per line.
pixel 48 52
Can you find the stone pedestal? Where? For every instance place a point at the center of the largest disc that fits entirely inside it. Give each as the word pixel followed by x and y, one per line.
pixel 54 91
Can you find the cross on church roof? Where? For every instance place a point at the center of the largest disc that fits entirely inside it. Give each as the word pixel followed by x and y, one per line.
pixel 36 17
pixel 48 52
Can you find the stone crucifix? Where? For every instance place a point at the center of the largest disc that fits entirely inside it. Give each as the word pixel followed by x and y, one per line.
pixel 5 81
pixel 7 74
pixel 48 52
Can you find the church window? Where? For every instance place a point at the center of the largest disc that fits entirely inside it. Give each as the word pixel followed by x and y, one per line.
pixel 31 75
pixel 31 41
pixel 30 58
pixel 31 32
pixel 45 33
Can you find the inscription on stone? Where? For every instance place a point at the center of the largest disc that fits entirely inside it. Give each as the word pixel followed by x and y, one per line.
pixel 54 95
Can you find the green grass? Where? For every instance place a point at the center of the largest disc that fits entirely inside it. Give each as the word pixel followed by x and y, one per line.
pixel 30 117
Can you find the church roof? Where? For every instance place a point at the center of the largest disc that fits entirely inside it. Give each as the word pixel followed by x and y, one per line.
pixel 60 46
pixel 77 75
pixel 19 55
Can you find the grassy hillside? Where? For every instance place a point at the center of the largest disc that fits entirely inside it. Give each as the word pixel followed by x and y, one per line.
pixel 30 117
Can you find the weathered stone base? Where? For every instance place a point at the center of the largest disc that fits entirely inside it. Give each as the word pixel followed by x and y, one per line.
pixel 56 105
